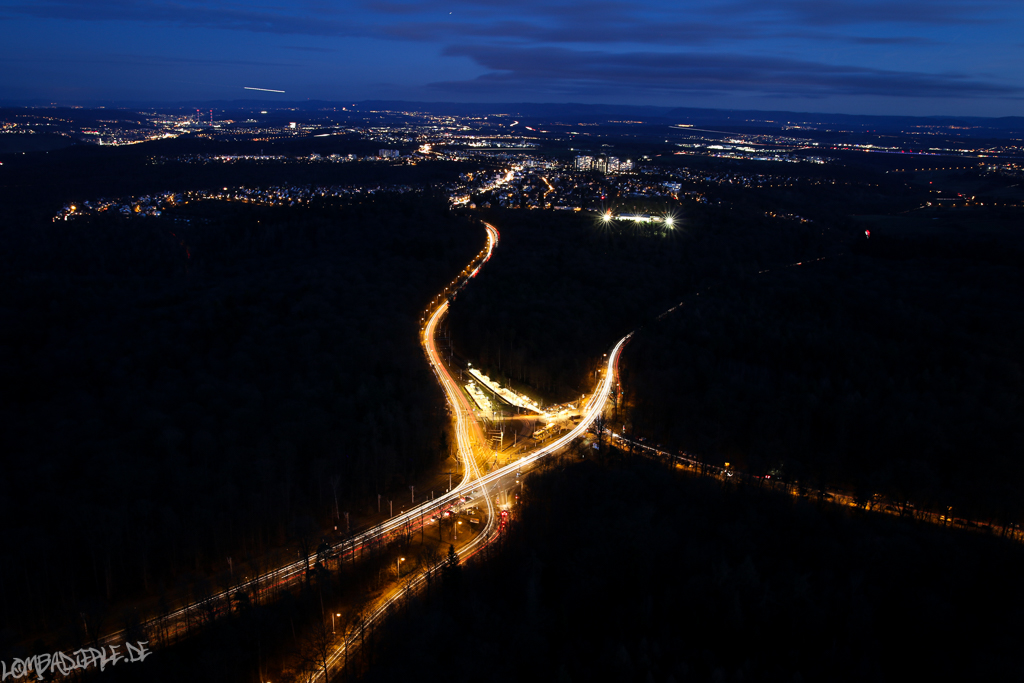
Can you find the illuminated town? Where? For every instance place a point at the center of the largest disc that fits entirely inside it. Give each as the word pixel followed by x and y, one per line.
pixel 542 342
pixel 323 392
pixel 512 170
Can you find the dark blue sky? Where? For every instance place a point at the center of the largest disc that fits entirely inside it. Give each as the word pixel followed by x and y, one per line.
pixel 851 56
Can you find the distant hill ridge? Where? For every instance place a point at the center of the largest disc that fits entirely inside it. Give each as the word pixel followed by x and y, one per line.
pixel 983 126
pixel 577 112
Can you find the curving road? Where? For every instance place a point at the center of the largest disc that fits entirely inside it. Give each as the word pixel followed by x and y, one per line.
pixel 468 435
pixel 177 622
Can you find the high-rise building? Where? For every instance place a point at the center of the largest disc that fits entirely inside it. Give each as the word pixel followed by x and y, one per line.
pixel 603 164
pixel 617 165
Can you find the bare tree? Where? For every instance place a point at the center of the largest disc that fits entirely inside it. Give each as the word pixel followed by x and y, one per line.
pixel 315 652
pixel 431 561
pixel 305 531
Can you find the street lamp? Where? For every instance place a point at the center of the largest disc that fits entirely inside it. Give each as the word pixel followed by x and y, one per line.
pixel 398 566
pixel 332 620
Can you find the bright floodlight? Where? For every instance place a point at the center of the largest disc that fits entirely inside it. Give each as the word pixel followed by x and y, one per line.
pixel 668 221
pixel 607 217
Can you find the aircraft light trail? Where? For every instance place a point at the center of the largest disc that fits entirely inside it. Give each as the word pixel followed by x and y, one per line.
pixel 245 87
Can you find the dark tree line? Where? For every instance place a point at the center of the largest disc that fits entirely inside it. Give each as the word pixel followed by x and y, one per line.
pixel 893 366
pixel 174 394
pixel 294 633
pixel 896 369
pixel 568 286
pixel 626 571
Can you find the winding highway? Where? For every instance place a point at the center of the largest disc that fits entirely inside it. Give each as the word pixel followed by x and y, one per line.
pixel 469 437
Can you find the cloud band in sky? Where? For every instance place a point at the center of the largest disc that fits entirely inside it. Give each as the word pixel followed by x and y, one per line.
pixel 660 51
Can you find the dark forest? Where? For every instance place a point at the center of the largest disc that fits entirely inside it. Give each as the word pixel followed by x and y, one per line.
pixel 895 369
pixel 208 385
pixel 621 569
pixel 568 286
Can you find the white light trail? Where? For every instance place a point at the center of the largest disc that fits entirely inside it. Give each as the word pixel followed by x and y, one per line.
pixel 472 478
pixel 245 87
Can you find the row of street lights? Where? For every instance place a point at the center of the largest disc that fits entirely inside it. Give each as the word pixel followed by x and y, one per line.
pixel 334 615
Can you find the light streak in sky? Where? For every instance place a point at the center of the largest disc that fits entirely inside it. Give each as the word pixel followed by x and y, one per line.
pixel 245 87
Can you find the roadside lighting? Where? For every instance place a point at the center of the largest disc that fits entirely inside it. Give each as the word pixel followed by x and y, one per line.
pixel 332 620
pixel 398 565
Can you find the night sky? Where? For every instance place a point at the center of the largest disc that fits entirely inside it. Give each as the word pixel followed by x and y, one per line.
pixel 852 56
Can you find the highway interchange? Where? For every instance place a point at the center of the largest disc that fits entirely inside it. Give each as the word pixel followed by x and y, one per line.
pixel 475 486
pixel 471 450
pixel 481 488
